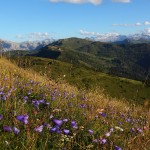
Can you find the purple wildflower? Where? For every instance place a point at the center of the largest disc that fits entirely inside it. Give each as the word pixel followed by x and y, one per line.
pixel 51 116
pixel 7 129
pixel 117 148
pixel 36 103
pixel 103 141
pixel 4 97
pixel 83 98
pixel 119 123
pixel 112 129
pixel 2 93
pixel 39 129
pixel 66 131
pixel 42 101
pixel 23 118
pixel 48 126
pixel 53 98
pixel 95 140
pixel 16 131
pixel 74 124
pixel 54 129
pixel 103 114
pixel 128 120
pixel 83 106
pixel 1 117
pixel 132 129
pixel 108 134
pixel 29 92
pixel 91 131
pixel 47 103
pixel 44 124
pixel 139 130
pixel 58 122
pixel 65 120
pixel 25 99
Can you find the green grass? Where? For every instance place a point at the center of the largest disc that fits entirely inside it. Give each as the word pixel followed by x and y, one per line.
pixel 123 60
pixel 90 110
pixel 85 78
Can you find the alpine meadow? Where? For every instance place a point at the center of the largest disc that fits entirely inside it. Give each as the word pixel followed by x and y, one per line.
pixel 75 75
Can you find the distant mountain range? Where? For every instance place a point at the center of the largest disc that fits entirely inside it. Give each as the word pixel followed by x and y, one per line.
pixel 28 45
pixel 111 38
pixel 114 37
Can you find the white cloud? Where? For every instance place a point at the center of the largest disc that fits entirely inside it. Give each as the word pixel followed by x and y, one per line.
pixel 132 25
pixel 19 36
pixel 95 2
pixel 83 32
pixel 107 37
pixel 146 23
pixel 121 25
pixel 122 1
pixel 138 24
pixel 146 32
pixel 87 33
pixel 38 35
pixel 113 36
pixel 34 36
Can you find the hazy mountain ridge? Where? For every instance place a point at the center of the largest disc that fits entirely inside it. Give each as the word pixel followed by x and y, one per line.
pixel 114 37
pixel 108 38
pixel 28 45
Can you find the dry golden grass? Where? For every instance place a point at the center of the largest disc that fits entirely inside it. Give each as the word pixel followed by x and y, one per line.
pixel 96 102
pixel 11 69
pixel 97 98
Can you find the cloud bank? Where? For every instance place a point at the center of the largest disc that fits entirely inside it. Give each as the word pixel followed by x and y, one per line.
pixel 133 25
pixel 34 36
pixel 95 2
pixel 113 36
pixel 83 32
pixel 122 1
pixel 87 33
pixel 146 32
pixel 38 35
pixel 146 23
pixel 107 37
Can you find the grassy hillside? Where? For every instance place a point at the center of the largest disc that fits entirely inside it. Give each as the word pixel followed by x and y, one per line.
pixel 85 78
pixel 124 60
pixel 16 53
pixel 37 113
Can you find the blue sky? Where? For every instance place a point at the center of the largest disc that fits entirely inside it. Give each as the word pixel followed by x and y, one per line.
pixel 39 19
